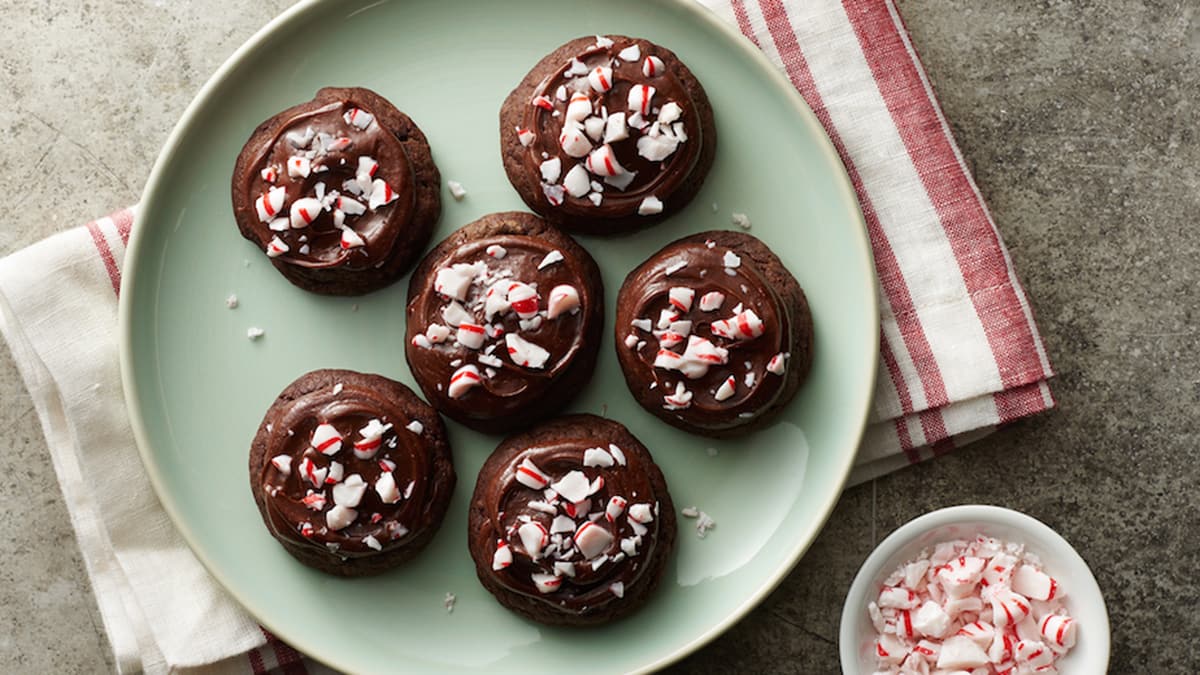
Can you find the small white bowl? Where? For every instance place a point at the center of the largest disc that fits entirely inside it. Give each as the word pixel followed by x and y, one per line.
pixel 1084 600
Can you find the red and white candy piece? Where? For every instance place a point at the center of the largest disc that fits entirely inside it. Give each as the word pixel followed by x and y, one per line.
pixel 680 399
pixel 981 632
pixel 600 78
pixel 542 102
pixel 616 506
pixel 496 251
pixel 744 325
pixel 1058 630
pixel 351 239
pixel 1033 655
pixel 641 513
pixel 282 464
pixel 269 174
pixel 712 301
pixel 326 439
pixel 463 380
pixel 895 597
pixel 574 142
pixel 553 193
pixel 503 556
pixel 304 211
pixel 529 475
pixel 315 501
pixel 523 299
pixel 276 248
pixel 641 97
pixel 959 576
pixel 385 487
pixel 359 118
pixel 300 139
pixel 534 538
pixel 592 539
pixel 578 108
pixel 370 439
pixel 336 471
pixel 1034 584
pixel 298 166
pixel 777 364
pixel 546 583
pixel 381 194
pixel 681 297
pixel 270 203
pixel 349 493
pixel 367 166
pixel 525 137
pixel 890 649
pixel 727 389
pixel 603 162
pixel 524 353
pixel 339 517
pixel 348 206
pixel 652 66
pixel 563 299
pixel 1008 608
pixel 470 335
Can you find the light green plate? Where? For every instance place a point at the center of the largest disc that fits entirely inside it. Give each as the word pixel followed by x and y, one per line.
pixel 197 388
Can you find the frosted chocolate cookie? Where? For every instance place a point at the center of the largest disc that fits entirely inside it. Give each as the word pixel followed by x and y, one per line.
pixel 504 321
pixel 571 522
pixel 713 333
pixel 341 193
pixel 607 134
pixel 351 472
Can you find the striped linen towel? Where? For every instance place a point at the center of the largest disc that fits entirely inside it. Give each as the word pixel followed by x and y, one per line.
pixel 961 354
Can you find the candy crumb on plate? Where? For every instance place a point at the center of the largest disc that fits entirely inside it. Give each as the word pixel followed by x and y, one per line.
pixel 232 301
pixel 456 190
pixel 254 332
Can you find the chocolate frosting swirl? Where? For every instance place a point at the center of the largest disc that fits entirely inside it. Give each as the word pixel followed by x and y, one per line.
pixel 653 178
pixel 349 407
pixel 332 166
pixel 507 506
pixel 646 295
pixel 506 389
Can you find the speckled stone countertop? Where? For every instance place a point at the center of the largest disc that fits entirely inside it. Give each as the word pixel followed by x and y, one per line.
pixel 1080 122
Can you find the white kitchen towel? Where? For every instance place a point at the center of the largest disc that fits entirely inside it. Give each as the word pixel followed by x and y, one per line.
pixel 961 354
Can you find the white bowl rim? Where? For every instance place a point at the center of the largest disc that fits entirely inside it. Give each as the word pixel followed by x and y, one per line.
pixel 856 601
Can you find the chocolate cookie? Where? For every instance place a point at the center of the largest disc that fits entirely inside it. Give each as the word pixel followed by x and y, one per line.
pixel 571 522
pixel 713 333
pixel 504 321
pixel 351 472
pixel 607 134
pixel 341 192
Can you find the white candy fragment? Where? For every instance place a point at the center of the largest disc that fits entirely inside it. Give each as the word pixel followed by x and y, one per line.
pixel 650 206
pixel 1033 655
pixel 304 211
pixel 339 517
pixel 529 475
pixel 454 281
pixel 436 333
pixel 351 239
pixel 496 251
pixel 931 620
pixel 463 380
pixel 777 364
pixel 370 439
pixel 576 181
pixel 551 258
pixel 349 492
pixel 276 248
pixel 741 220
pixel 731 260
pixel 681 297
pixel 631 54
pixel 254 332
pixel 566 569
pixel 457 191
pixel 642 513
pixel 890 650
pixel 533 538
pixel 617 588
pixel 1034 584
pixel 573 487
pixel 961 653
pixel 455 314
pixel 300 139
pixel 652 66
pixel 712 301
pixel 551 169
pixel 563 299
pixel 525 137
pixel 524 353
pixel 359 118
pixel 656 148
pixel 579 107
pixel 385 487
pixel 1058 631
pixel 597 457
pixel 615 507
pixel 641 97
pixel 743 325
pixel 727 389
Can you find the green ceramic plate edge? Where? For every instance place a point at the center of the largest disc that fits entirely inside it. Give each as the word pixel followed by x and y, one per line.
pixel 137 251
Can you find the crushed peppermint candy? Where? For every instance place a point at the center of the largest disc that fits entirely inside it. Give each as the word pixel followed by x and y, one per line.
pixel 232 301
pixel 457 191
pixel 449 601
pixel 741 220
pixel 983 606
pixel 254 333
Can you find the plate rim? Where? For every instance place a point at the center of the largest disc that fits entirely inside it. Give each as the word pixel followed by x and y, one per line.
pixel 134 252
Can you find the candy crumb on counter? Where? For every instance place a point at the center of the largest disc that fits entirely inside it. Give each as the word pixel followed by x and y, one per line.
pixel 984 606
pixel 254 332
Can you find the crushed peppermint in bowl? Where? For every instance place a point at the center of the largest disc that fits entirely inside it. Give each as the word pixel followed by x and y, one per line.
pixel 976 590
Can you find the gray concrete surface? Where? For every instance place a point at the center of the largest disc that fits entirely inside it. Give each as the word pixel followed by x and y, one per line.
pixel 1079 119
